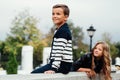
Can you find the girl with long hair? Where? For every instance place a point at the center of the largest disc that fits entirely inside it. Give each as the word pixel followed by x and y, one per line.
pixel 97 62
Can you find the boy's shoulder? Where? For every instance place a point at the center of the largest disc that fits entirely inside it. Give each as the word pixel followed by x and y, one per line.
pixel 64 28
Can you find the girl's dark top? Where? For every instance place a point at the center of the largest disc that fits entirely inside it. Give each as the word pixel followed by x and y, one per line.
pixel 86 61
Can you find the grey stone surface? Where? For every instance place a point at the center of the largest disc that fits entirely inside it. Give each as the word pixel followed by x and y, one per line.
pixel 58 76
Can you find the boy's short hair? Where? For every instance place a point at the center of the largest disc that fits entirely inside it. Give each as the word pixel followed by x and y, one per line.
pixel 64 7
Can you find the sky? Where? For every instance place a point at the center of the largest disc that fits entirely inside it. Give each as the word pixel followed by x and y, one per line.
pixel 104 15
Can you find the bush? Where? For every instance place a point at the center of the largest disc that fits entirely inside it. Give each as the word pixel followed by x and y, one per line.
pixel 12 64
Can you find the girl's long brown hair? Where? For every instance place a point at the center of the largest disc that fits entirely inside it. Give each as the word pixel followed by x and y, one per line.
pixel 106 69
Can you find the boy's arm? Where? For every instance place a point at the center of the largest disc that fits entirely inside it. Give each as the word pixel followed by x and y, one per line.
pixel 61 47
pixel 57 52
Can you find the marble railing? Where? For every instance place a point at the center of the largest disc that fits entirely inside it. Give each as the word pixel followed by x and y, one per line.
pixel 57 76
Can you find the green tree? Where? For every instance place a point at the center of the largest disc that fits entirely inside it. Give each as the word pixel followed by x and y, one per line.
pixel 24 31
pixel 3 57
pixel 79 48
pixel 1 47
pixel 113 50
pixel 117 45
pixel 25 27
pixel 48 37
pixel 1 51
pixel 12 64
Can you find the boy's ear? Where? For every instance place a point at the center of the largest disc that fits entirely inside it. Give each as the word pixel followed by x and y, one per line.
pixel 66 16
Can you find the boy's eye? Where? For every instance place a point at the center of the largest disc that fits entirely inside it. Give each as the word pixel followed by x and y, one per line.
pixel 52 13
pixel 55 13
pixel 58 13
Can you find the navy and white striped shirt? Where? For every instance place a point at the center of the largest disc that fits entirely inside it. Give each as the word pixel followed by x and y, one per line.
pixel 61 46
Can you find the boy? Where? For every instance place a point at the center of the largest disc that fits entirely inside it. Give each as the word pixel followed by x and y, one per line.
pixel 61 50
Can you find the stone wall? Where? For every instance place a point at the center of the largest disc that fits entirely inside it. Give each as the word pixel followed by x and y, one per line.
pixel 57 76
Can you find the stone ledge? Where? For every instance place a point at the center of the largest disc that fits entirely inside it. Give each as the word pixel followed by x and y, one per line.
pixel 57 76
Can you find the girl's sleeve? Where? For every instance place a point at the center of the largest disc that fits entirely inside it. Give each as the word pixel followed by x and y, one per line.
pixel 79 63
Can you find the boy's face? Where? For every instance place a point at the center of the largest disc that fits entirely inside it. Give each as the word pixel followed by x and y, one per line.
pixel 58 16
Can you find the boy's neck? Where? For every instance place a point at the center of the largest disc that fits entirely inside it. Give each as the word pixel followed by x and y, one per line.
pixel 58 26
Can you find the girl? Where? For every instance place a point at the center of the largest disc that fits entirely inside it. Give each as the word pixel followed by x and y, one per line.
pixel 96 62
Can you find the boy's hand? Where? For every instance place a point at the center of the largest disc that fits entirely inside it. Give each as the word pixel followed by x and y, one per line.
pixel 49 72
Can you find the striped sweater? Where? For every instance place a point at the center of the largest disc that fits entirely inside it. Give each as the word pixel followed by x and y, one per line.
pixel 61 50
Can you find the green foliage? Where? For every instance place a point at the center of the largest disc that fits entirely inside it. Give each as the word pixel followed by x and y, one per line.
pixel 12 64
pixel 25 28
pixel 8 48
pixel 3 57
pixel 113 50
pixel 77 34
pixel 24 31
pixel 37 56
pixel 117 45
pixel 77 39
pixel 48 37
pixel 1 46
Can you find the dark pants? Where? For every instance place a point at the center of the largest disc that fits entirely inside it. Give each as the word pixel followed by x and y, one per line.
pixel 43 68
pixel 65 67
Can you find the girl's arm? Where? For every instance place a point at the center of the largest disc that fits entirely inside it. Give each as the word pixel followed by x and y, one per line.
pixel 83 70
pixel 89 72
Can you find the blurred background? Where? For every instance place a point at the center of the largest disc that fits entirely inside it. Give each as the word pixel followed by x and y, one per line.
pixel 28 22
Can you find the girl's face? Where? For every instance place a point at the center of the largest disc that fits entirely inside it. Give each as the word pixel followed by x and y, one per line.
pixel 58 16
pixel 98 51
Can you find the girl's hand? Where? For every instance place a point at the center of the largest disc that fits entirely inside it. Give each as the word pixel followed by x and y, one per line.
pixel 91 73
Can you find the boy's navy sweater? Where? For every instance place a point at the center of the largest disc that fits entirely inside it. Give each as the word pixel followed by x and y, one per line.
pixel 61 51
